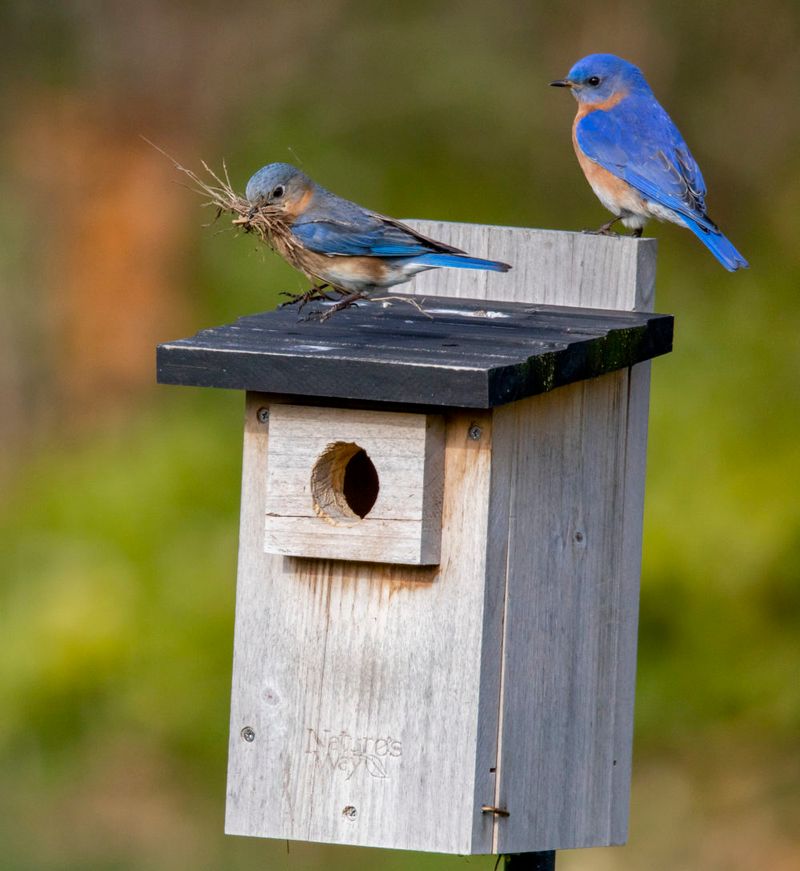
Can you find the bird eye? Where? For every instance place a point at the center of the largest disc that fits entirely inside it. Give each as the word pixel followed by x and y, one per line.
pixel 277 193
pixel 594 81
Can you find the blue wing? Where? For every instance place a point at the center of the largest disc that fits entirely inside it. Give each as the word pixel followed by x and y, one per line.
pixel 335 226
pixel 372 236
pixel 637 141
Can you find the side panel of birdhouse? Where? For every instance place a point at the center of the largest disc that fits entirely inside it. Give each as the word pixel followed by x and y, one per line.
pixel 364 704
pixel 569 644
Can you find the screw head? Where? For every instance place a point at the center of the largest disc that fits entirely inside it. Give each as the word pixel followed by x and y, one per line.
pixel 248 734
pixel 349 813
pixel 263 415
pixel 578 536
pixel 475 432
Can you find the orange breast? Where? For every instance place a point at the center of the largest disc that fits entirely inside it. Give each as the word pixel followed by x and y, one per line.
pixel 606 185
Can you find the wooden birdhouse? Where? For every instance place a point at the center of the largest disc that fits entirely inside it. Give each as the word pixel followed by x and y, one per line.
pixel 440 550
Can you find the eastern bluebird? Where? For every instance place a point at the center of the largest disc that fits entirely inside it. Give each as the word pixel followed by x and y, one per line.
pixel 633 155
pixel 340 244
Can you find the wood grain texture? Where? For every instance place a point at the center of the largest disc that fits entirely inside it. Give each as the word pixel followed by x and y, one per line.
pixel 407 451
pixel 362 683
pixel 563 617
pixel 550 267
pixel 631 526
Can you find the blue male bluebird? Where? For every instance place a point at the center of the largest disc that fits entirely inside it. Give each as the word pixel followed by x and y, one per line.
pixel 340 244
pixel 633 155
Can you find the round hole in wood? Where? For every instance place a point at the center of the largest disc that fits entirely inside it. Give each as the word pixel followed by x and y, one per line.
pixel 344 484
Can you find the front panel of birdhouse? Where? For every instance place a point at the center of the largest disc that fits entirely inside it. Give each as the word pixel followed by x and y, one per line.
pixel 358 688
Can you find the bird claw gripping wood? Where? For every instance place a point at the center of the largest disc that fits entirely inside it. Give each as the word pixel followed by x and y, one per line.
pixel 305 297
pixel 349 301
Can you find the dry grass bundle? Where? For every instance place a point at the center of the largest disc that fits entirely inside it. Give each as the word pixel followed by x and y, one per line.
pixel 264 221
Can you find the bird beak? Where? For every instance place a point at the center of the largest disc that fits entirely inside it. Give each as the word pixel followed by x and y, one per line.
pixel 561 83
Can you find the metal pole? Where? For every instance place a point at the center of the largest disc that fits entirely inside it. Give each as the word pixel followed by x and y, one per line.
pixel 545 861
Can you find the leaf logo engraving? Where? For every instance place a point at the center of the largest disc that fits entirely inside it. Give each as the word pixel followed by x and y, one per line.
pixel 375 766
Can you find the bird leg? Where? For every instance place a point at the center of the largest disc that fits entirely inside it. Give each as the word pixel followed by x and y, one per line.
pixel 605 230
pixel 637 233
pixel 316 292
pixel 346 302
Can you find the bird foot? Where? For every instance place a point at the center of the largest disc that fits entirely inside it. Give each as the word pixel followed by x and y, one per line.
pixel 601 231
pixel 350 301
pixel 605 230
pixel 306 297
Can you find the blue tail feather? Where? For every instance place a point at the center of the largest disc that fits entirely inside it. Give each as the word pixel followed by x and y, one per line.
pixel 461 261
pixel 721 247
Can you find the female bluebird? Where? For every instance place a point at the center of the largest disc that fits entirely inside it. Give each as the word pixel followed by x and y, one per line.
pixel 633 155
pixel 340 244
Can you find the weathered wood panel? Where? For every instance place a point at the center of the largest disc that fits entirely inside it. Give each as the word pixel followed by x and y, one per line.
pixel 551 267
pixel 462 354
pixel 362 683
pixel 307 512
pixel 563 617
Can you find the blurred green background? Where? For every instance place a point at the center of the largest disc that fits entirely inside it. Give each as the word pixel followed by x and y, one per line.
pixel 119 498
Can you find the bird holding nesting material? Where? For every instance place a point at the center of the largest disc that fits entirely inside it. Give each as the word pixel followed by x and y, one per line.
pixel 634 157
pixel 341 245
